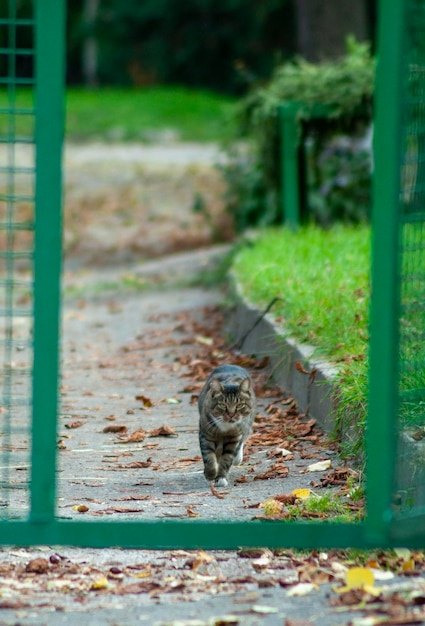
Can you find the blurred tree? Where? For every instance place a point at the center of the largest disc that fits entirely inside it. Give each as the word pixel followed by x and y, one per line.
pixel 324 24
pixel 219 44
pixel 90 44
pixel 206 43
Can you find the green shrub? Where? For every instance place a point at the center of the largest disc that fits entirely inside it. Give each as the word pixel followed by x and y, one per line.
pixel 346 86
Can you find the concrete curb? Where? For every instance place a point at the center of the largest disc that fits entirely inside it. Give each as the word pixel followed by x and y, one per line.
pixel 267 339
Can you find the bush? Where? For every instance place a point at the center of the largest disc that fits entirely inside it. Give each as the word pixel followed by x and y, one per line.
pixel 339 169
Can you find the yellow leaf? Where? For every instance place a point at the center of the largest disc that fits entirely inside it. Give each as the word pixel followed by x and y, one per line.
pixel 302 494
pixel 81 508
pixel 373 564
pixel 359 577
pixel 408 565
pixel 144 574
pixel 102 583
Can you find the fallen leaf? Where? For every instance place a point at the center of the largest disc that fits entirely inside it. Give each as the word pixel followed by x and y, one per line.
pixel 138 464
pixel 122 509
pixel 163 431
pixel 205 341
pixel 136 437
pixel 145 586
pixel 81 508
pixel 320 466
pixel 302 494
pixel 262 563
pixel 147 402
pixel 75 424
pixel 172 401
pixel 216 493
pixel 300 368
pixel 408 565
pixel 101 583
pixel 271 506
pixel 115 428
pixel 191 513
pixel 357 578
pixel 136 498
pixel 286 498
pixel 264 610
pixel 198 559
pixel 254 553
pixel 13 605
pixel 37 566
pixel 302 589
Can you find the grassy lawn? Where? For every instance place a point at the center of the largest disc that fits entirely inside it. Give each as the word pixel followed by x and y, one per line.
pixel 135 114
pixel 322 278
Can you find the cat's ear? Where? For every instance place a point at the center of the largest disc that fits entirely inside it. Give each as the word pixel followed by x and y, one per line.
pixel 245 385
pixel 215 385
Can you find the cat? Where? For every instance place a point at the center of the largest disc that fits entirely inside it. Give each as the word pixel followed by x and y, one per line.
pixel 227 407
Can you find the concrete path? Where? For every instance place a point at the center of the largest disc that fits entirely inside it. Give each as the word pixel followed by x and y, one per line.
pixel 129 359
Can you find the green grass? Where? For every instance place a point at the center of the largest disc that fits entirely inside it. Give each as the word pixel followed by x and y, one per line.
pixel 329 505
pixel 136 114
pixel 322 280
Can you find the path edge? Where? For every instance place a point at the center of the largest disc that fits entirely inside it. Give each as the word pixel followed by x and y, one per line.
pixel 268 339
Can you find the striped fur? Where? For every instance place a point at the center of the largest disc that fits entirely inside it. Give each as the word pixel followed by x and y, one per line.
pixel 227 409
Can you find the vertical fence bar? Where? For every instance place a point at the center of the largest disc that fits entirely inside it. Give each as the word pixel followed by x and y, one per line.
pixel 384 346
pixel 50 37
pixel 290 175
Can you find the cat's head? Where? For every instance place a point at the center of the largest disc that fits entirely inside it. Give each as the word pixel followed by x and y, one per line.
pixel 231 402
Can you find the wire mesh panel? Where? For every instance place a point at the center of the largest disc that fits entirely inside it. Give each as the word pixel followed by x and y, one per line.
pixel 17 168
pixel 31 121
pixel 410 487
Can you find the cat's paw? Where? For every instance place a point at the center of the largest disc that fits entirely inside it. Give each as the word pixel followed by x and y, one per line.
pixel 221 482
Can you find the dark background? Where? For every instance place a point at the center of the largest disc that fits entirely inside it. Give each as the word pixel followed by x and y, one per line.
pixel 223 45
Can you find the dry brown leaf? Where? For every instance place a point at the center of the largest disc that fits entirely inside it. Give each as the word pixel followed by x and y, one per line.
pixel 135 498
pixel 216 493
pixel 201 557
pixel 136 437
pixel 163 431
pixel 122 509
pixel 37 566
pixel 115 428
pixel 147 402
pixel 138 464
pixel 75 424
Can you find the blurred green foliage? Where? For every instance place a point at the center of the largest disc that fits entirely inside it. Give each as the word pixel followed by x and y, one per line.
pixel 339 179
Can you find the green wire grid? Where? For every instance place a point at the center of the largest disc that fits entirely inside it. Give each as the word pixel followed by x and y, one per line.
pixel 30 236
pixel 16 272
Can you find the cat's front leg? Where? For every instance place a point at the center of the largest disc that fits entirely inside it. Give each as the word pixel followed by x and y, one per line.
pixel 209 457
pixel 226 461
pixel 238 455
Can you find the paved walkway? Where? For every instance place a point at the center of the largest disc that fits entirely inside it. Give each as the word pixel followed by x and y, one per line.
pixel 128 450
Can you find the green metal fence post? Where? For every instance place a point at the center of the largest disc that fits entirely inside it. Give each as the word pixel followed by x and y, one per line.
pixel 383 396
pixel 290 175
pixel 50 37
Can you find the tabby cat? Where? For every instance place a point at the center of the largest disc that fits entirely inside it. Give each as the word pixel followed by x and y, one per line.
pixel 227 409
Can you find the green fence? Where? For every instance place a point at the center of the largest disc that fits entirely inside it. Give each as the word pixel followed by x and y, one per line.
pixel 31 117
pixel 31 130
